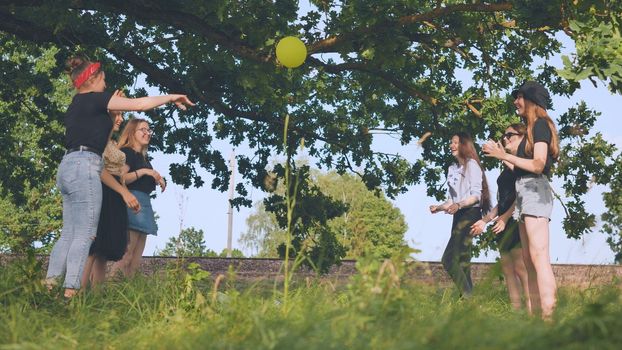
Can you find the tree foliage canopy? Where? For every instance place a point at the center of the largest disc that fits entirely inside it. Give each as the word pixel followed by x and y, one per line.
pixel 389 66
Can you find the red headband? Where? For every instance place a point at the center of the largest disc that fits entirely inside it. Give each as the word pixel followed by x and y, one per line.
pixel 86 74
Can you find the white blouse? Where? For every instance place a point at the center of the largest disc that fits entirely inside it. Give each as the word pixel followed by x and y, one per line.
pixel 464 181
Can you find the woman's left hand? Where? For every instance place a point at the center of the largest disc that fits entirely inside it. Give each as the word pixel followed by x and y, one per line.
pixel 494 149
pixel 162 183
pixel 452 209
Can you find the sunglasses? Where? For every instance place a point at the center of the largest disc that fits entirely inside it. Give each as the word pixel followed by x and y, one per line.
pixel 508 135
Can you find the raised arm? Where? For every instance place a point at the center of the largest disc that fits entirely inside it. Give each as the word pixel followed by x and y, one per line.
pixel 121 103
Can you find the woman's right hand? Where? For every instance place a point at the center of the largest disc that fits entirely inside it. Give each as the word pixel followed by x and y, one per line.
pixel 156 175
pixel 435 209
pixel 181 101
pixel 131 201
pixel 478 227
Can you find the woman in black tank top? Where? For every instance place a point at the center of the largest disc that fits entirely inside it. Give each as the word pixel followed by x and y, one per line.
pixel 506 228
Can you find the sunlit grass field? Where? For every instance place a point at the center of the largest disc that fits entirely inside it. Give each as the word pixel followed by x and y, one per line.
pixel 376 309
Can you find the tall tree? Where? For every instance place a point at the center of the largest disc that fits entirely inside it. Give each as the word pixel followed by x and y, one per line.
pixel 263 234
pixel 371 224
pixel 30 143
pixel 189 242
pixel 392 66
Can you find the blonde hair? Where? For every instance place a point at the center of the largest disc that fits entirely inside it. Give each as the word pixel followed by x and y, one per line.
pixel 532 113
pixel 128 136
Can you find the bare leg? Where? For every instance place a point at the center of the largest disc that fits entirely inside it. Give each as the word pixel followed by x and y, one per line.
pixel 123 264
pixel 86 274
pixel 137 255
pixel 532 278
pixel 521 271
pixel 507 266
pixel 99 271
pixel 538 234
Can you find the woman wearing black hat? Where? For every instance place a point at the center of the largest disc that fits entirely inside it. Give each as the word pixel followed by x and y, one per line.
pixel 534 199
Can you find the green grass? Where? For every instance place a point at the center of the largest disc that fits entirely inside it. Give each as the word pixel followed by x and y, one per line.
pixel 375 310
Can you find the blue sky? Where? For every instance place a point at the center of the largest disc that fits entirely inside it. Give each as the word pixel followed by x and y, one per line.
pixel 206 209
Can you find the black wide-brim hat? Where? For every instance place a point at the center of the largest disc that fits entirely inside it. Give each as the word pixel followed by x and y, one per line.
pixel 535 93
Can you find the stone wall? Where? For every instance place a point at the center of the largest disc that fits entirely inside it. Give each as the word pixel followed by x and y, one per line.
pixel 429 272
pixel 582 276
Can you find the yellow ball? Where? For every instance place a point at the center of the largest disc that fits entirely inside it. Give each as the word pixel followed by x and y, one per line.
pixel 291 52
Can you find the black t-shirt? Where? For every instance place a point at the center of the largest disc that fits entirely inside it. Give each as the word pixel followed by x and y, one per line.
pixel 135 161
pixel 87 122
pixel 506 190
pixel 541 133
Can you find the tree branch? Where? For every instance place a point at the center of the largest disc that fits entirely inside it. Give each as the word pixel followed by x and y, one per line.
pixel 385 76
pixel 332 43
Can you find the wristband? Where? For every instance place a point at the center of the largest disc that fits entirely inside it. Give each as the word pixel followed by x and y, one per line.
pixel 136 173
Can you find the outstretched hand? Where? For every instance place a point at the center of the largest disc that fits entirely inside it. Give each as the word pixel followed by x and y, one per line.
pixel 436 208
pixel 181 101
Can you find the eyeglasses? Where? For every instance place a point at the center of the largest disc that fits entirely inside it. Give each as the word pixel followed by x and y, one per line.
pixel 146 131
pixel 508 135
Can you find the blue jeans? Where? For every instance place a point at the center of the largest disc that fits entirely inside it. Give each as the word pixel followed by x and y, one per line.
pixel 79 182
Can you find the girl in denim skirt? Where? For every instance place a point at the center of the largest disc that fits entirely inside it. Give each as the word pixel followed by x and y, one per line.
pixel 468 198
pixel 88 125
pixel 141 179
pixel 534 199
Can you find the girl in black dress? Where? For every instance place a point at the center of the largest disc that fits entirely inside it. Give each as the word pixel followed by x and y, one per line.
pixel 506 227
pixel 111 240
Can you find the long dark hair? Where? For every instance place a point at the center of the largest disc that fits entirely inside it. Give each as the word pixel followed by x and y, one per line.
pixel 467 151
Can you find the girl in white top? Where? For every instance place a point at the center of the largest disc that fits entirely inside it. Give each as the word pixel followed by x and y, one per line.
pixel 468 197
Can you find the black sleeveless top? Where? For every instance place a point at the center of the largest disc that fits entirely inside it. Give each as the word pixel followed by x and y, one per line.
pixel 506 190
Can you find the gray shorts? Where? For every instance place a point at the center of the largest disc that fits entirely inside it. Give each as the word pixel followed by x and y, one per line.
pixel 534 196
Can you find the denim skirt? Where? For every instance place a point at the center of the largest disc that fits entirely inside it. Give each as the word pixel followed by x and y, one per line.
pixel 144 220
pixel 534 196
